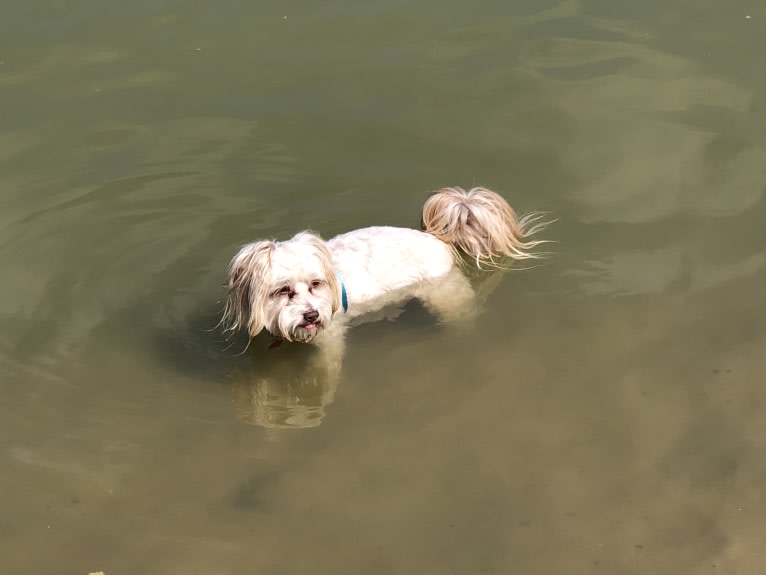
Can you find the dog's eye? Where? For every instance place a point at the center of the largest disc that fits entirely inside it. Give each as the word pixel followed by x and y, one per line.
pixel 316 283
pixel 284 290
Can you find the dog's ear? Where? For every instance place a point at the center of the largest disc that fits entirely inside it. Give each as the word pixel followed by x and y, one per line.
pixel 334 284
pixel 325 256
pixel 249 279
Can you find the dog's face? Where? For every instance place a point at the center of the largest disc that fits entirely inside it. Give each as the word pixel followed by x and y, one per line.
pixel 288 288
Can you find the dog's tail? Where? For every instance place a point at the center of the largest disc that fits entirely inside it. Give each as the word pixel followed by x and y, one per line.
pixel 481 224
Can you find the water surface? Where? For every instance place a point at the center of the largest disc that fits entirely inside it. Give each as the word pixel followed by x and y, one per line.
pixel 605 413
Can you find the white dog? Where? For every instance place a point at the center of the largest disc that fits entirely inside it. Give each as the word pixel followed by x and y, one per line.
pixel 308 290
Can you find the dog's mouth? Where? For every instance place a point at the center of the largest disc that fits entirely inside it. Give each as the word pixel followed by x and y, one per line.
pixel 311 326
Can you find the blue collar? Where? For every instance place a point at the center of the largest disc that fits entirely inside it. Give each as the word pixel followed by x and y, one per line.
pixel 343 294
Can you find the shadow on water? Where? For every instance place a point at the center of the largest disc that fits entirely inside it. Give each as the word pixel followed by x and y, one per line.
pixel 191 342
pixel 283 387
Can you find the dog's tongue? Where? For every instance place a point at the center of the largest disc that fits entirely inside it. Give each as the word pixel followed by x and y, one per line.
pixel 310 326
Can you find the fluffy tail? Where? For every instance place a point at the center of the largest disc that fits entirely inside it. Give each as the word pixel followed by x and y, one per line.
pixel 481 224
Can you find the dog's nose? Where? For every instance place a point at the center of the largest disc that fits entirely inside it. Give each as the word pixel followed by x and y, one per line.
pixel 311 316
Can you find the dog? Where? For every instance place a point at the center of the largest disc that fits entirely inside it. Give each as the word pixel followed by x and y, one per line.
pixel 310 290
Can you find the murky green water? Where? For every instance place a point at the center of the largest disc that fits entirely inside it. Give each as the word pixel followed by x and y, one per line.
pixel 604 415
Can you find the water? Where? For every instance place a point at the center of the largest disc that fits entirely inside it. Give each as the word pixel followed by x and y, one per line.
pixel 605 414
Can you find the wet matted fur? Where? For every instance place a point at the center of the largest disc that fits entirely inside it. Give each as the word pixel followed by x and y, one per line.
pixel 311 290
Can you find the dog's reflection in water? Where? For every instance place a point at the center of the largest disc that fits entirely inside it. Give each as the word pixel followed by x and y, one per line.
pixel 285 388
pixel 293 385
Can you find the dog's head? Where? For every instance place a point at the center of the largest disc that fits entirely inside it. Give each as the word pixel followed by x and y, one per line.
pixel 288 288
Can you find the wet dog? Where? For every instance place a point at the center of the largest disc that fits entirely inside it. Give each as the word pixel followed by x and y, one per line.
pixel 310 290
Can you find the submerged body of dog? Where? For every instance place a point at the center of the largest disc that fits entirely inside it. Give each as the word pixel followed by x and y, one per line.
pixel 310 290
